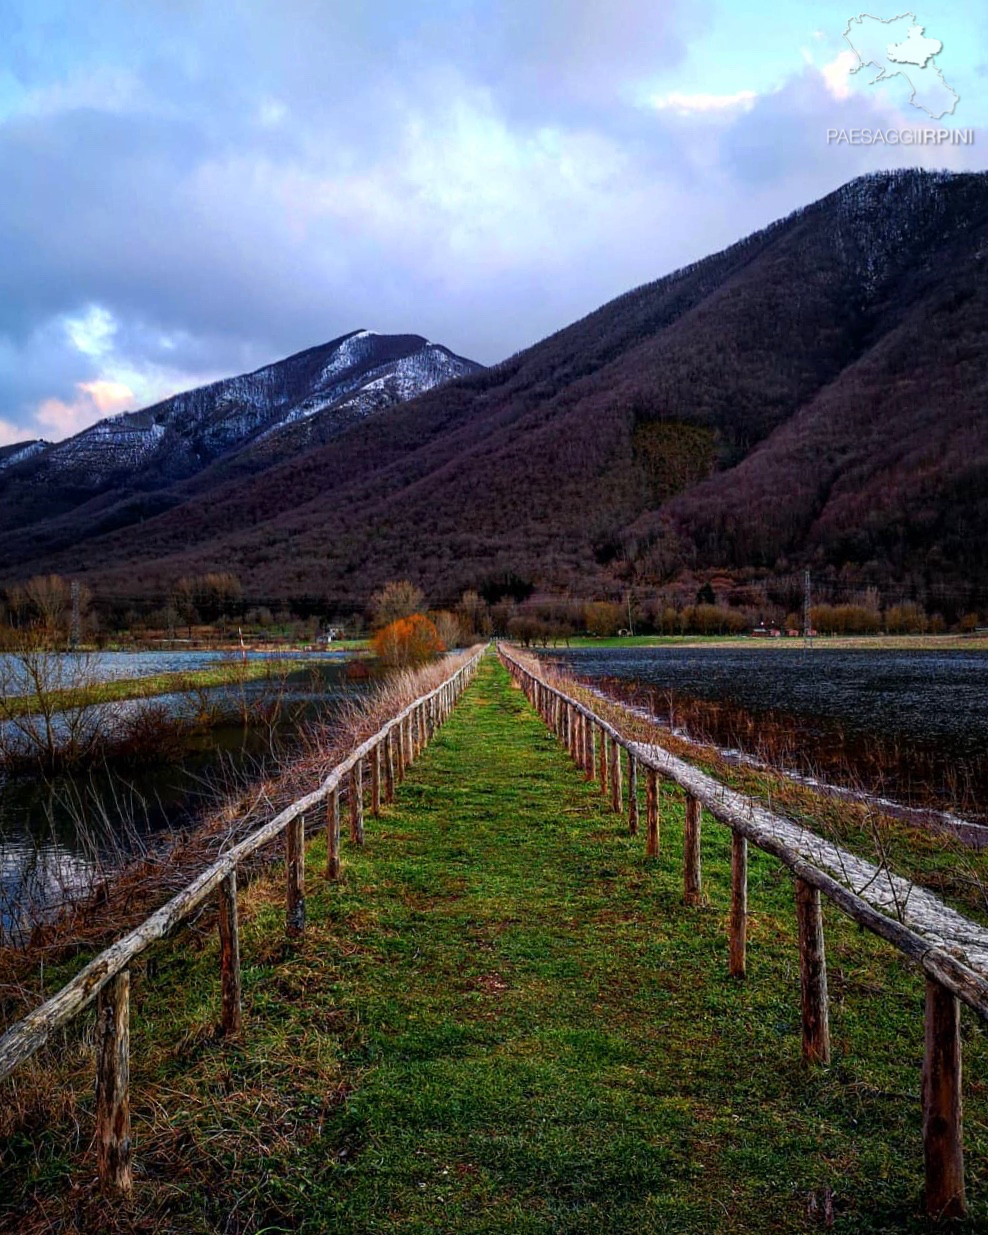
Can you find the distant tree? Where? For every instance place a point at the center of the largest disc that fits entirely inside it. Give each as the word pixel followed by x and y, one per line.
pixel 906 619
pixel 183 599
pixel 705 595
pixel 448 628
pixel 407 642
pixel 49 598
pixel 397 599
pixel 603 618
pixel 17 604
pixel 206 598
pixel 474 615
pixel 524 628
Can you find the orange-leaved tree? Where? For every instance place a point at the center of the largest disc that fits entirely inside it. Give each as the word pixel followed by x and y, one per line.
pixel 407 641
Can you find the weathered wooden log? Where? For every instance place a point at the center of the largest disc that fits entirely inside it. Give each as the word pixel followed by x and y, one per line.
pixel 943 1141
pixel 295 873
pixel 375 762
pixel 692 877
pixel 813 975
pixel 632 795
pixel 356 795
pixel 614 776
pixel 651 813
pixel 333 835
pixel 389 767
pixel 231 1005
pixel 738 947
pixel 113 1084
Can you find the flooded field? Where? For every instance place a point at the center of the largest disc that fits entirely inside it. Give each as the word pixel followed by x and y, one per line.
pixel 912 725
pixel 57 831
pixel 125 666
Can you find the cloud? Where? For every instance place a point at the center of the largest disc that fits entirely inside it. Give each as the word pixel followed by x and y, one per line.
pixel 192 195
pixel 10 433
pixel 836 74
pixel 689 104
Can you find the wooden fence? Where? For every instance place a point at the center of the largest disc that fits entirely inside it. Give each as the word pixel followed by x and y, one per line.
pixel 106 978
pixel 951 950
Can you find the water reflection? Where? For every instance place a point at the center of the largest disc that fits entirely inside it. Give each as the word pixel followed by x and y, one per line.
pixel 46 856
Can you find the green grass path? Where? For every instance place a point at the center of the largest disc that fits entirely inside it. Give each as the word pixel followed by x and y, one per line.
pixel 503 1019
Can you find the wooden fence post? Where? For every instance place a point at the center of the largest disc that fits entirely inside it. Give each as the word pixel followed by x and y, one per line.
pixel 389 768
pixel 375 759
pixel 356 796
pixel 943 1146
pixel 113 1084
pixel 603 762
pixel 333 835
pixel 615 777
pixel 632 795
pixel 651 813
pixel 398 740
pixel 737 960
pixel 813 975
pixel 231 1016
pixel 590 749
pixel 295 870
pixel 692 879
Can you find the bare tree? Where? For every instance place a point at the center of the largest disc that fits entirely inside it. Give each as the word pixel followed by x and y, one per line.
pixel 397 599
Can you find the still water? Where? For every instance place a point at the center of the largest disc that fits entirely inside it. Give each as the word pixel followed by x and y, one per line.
pixel 46 857
pixel 909 724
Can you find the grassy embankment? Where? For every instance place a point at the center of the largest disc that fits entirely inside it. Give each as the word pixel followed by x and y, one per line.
pixel 845 643
pixel 503 1019
pixel 94 693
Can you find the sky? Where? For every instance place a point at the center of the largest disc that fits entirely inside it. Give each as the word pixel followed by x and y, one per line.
pixel 190 190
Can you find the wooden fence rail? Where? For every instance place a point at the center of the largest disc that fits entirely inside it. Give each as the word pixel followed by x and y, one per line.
pixel 951 950
pixel 106 979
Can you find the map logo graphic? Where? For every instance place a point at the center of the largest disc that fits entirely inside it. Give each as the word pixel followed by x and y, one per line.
pixel 900 47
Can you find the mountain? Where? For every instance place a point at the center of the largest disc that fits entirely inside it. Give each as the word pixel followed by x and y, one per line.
pixel 239 425
pixel 812 395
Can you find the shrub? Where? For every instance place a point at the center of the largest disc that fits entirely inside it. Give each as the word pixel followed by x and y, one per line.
pixel 406 642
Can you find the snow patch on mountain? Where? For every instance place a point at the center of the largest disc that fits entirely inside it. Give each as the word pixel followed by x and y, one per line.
pixel 353 376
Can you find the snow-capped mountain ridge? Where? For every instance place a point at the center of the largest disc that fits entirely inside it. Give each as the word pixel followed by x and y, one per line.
pixel 338 382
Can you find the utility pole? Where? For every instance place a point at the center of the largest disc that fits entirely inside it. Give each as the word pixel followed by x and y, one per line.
pixel 807 625
pixel 76 632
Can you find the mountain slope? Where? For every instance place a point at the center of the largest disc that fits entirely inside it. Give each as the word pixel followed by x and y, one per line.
pixel 256 419
pixel 813 394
